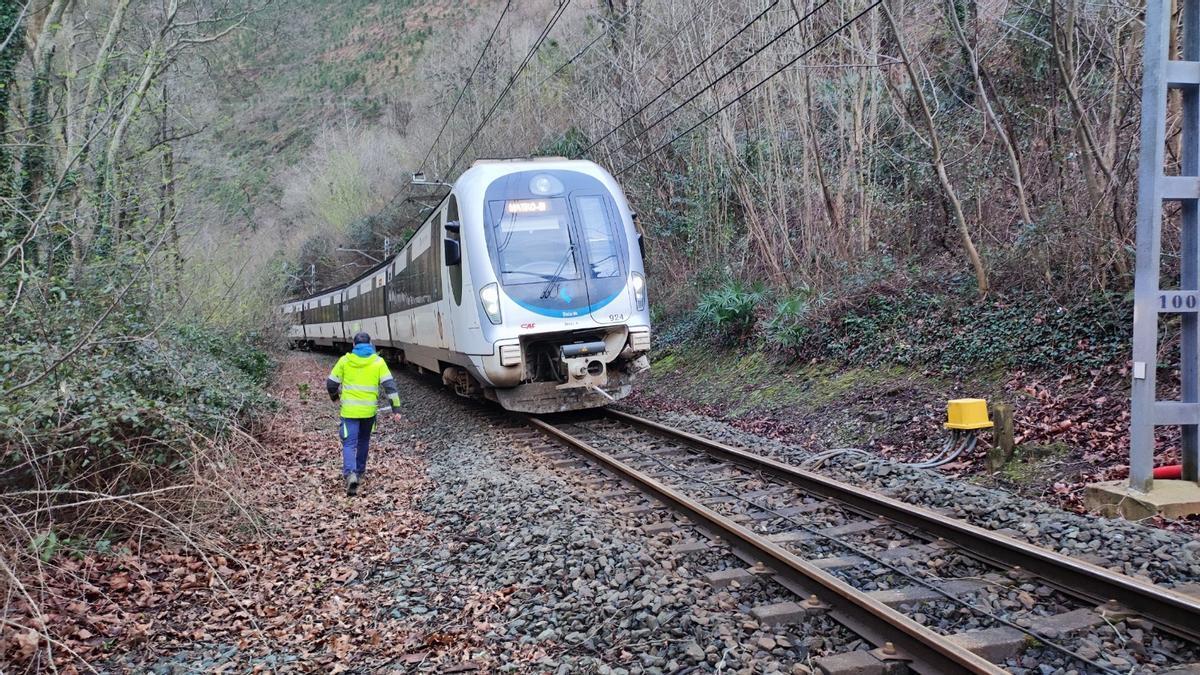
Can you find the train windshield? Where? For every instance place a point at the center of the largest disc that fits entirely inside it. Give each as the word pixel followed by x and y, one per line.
pixel 603 255
pixel 534 242
pixel 557 241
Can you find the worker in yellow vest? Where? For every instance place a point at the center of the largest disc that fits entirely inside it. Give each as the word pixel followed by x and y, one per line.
pixel 356 380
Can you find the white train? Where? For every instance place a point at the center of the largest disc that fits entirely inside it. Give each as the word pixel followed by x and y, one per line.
pixel 525 285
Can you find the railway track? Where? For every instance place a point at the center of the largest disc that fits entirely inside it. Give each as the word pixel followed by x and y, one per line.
pixel 931 593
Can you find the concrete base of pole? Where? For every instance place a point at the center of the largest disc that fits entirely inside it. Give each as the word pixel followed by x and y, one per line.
pixel 1169 499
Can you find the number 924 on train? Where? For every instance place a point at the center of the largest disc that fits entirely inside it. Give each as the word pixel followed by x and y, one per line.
pixel 525 286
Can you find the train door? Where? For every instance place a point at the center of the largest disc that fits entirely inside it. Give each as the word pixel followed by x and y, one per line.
pixel 445 313
pixel 468 338
pixel 603 258
pixel 350 311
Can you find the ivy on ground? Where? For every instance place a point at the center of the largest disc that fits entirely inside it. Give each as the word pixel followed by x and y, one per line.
pixel 928 326
pixel 127 405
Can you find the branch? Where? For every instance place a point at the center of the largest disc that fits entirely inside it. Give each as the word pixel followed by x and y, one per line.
pixel 86 339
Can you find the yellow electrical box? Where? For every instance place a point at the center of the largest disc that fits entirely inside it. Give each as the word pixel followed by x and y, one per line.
pixel 967 413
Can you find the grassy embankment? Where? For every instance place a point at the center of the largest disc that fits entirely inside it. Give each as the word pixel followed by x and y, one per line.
pixel 873 366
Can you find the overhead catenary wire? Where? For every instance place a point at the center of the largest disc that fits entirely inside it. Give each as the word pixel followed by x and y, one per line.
pixel 684 76
pixel 562 8
pixel 760 83
pixel 537 44
pixel 683 26
pixel 723 75
pixel 595 40
pixel 466 83
pixel 583 50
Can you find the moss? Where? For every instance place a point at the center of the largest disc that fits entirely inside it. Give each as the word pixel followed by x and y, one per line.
pixel 757 381
pixel 664 364
pixel 1030 461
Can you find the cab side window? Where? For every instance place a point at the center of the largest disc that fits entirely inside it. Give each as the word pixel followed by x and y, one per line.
pixel 456 271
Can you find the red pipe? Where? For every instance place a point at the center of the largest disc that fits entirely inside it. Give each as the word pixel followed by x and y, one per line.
pixel 1169 472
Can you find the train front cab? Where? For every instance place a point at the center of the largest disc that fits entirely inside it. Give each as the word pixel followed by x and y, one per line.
pixel 562 307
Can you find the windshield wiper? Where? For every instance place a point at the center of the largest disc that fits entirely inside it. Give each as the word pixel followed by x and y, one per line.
pixel 531 274
pixel 557 277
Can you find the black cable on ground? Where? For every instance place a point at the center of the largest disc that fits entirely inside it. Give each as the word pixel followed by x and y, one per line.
pixel 857 550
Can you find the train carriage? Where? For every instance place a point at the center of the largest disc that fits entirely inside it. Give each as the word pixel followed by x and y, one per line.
pixel 525 285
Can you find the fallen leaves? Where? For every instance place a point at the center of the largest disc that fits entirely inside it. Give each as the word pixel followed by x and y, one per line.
pixel 292 585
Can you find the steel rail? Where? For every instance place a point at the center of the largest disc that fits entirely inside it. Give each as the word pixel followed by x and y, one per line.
pixel 928 651
pixel 1173 611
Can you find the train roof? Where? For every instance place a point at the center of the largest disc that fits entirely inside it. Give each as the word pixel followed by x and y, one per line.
pixel 346 284
pixel 497 160
pixel 481 162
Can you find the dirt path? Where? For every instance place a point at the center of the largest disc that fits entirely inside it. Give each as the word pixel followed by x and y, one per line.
pixel 299 582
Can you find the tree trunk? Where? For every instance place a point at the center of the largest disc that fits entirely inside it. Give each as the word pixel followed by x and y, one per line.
pixel 10 56
pixel 939 164
pixel 1014 164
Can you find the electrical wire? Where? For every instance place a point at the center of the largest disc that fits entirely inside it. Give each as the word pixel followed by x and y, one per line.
pixel 691 70
pixel 722 76
pixel 562 8
pixel 789 64
pixel 467 83
pixel 537 44
pixel 581 52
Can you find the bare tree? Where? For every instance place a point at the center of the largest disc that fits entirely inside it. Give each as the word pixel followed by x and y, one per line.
pixel 933 140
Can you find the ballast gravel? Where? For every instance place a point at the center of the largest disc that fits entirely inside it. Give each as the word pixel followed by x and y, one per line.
pixel 526 569
pixel 1165 557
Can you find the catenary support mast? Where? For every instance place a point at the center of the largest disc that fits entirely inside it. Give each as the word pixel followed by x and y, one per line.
pixel 1154 188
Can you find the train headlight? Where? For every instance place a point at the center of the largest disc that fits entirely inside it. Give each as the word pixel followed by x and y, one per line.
pixel 510 355
pixel 545 184
pixel 639 290
pixel 490 297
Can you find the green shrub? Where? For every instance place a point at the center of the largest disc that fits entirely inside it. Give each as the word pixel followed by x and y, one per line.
pixel 787 328
pixel 732 306
pixel 926 323
pixel 125 413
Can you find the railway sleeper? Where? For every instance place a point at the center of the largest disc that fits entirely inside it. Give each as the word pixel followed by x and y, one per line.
pixel 638 509
pixel 853 528
pixel 773 491
pixel 838 562
pixel 779 613
pixel 789 511
pixel 1002 642
pixel 913 595
pixel 858 663
pixel 616 494
pixel 690 547
pixel 658 528
pixel 726 577
pixel 790 536
pixel 994 644
pixel 569 463
pixel 916 552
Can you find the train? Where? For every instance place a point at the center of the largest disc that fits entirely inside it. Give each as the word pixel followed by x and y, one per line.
pixel 525 285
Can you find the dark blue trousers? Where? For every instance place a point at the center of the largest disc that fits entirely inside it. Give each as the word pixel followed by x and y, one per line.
pixel 356 438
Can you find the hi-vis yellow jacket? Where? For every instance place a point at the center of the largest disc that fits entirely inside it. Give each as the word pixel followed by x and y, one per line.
pixel 359 378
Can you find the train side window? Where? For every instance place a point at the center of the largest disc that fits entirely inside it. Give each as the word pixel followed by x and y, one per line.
pixel 456 271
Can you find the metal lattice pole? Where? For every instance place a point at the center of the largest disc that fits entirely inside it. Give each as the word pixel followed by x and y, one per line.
pixel 1150 299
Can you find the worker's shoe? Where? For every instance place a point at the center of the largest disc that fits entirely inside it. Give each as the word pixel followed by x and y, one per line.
pixel 351 484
